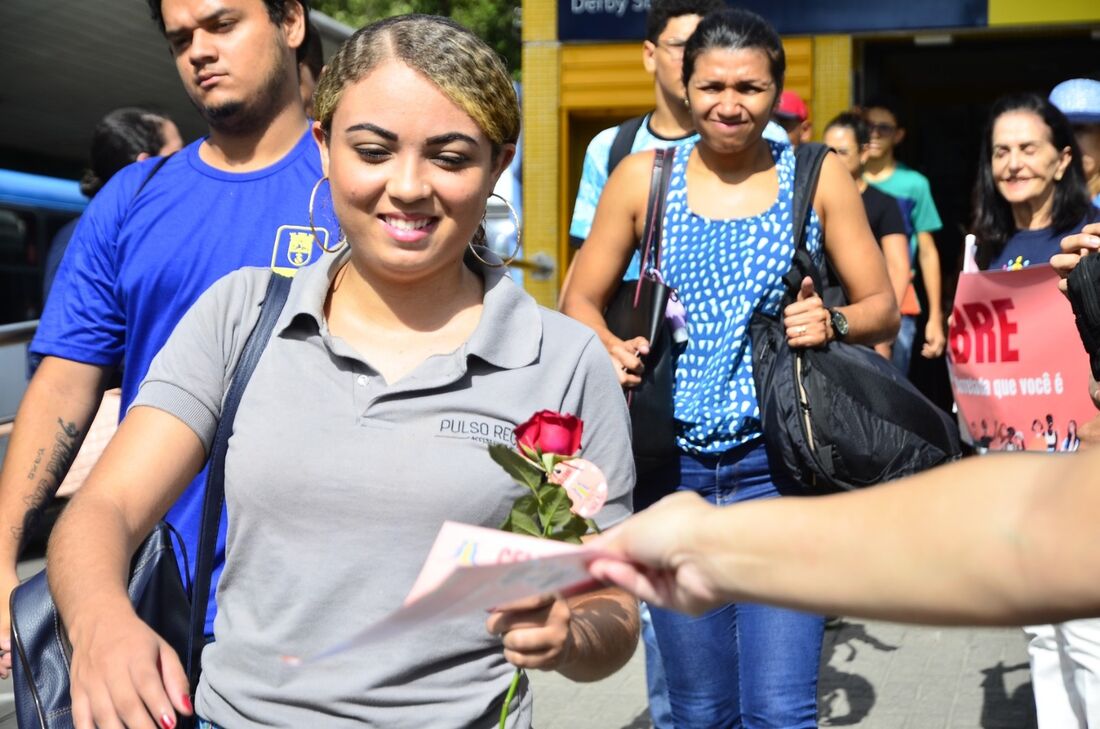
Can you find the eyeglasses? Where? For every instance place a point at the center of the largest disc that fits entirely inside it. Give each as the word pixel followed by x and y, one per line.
pixel 675 48
pixel 882 129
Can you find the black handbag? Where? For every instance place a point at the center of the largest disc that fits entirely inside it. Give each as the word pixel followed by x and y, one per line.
pixel 838 417
pixel 637 309
pixel 40 666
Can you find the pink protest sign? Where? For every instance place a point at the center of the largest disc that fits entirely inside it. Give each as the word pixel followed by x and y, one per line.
pixel 472 570
pixel 1018 369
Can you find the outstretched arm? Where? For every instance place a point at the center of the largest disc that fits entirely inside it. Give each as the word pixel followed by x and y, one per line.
pixel 1003 539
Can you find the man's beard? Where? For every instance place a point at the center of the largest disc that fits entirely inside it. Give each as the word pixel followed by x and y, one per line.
pixel 244 116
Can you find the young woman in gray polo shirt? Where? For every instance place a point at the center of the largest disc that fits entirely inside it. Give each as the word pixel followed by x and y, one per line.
pixel 395 362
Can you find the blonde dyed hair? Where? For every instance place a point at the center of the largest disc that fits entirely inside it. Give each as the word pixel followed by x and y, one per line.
pixel 465 69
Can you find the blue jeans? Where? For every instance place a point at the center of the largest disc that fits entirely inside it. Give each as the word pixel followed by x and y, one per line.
pixel 902 351
pixel 656 687
pixel 743 666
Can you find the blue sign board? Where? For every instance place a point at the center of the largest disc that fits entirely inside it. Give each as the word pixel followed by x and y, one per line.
pixel 611 20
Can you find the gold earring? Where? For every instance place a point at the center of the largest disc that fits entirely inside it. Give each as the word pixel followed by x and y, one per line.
pixel 515 251
pixel 316 238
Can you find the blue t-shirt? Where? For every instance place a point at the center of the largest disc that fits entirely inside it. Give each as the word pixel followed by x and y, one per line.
pixel 721 270
pixel 594 174
pixel 135 264
pixel 1035 247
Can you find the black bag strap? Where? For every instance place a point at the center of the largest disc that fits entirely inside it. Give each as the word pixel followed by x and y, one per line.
pixel 153 171
pixel 624 141
pixel 808 159
pixel 650 244
pixel 274 299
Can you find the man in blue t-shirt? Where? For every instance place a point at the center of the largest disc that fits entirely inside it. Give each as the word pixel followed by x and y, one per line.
pixel 148 246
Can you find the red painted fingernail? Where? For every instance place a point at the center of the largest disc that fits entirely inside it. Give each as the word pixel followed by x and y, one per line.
pixel 167 721
pixel 186 701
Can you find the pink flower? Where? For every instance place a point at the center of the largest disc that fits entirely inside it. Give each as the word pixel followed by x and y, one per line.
pixel 585 484
pixel 550 432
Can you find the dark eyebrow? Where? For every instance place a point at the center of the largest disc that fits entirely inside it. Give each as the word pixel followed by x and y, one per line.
pixel 205 20
pixel 368 127
pixel 451 137
pixel 432 141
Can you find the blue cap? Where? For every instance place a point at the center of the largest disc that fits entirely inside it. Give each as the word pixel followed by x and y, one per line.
pixel 1078 99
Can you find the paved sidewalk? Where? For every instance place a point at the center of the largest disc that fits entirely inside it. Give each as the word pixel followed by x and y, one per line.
pixel 874 676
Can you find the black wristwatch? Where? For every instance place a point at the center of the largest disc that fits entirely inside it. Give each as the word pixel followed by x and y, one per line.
pixel 840 324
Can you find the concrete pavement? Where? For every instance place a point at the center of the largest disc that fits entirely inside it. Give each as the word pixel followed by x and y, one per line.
pixel 874 676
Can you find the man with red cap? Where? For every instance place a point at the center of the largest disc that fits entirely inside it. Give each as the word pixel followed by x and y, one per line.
pixel 791 114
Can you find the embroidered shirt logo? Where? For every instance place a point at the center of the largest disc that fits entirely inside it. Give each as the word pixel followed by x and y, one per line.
pixel 476 429
pixel 294 247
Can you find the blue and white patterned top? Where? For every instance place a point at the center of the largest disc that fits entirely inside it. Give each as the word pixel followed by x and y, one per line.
pixel 720 270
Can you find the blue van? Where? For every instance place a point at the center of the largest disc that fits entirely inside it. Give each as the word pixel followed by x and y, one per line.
pixel 32 209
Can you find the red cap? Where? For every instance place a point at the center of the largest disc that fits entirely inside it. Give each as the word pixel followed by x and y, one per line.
pixel 791 106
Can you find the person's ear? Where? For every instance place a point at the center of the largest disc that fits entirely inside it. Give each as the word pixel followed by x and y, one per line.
pixel 294 25
pixel 899 135
pixel 649 56
pixel 504 158
pixel 864 154
pixel 1066 157
pixel 322 145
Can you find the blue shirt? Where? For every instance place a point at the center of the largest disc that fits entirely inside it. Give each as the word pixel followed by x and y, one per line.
pixel 135 265
pixel 721 270
pixel 1035 247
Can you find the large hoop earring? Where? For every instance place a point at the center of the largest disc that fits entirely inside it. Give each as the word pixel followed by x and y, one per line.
pixel 317 238
pixel 515 250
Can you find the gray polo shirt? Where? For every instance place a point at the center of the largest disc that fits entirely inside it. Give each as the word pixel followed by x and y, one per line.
pixel 336 484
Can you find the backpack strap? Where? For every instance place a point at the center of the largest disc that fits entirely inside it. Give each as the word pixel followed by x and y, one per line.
pixel 650 244
pixel 808 159
pixel 274 298
pixel 624 141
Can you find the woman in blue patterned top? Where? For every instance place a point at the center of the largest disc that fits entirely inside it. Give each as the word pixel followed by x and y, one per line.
pixel 727 244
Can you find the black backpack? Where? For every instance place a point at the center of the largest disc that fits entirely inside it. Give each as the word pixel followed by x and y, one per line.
pixel 838 417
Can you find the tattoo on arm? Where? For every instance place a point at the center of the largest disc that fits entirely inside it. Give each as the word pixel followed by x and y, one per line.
pixel 66 440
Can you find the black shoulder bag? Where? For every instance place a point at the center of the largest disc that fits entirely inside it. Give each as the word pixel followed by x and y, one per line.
pixel 838 417
pixel 637 309
pixel 40 669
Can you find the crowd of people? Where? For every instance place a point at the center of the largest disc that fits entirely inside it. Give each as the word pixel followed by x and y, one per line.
pixel 368 182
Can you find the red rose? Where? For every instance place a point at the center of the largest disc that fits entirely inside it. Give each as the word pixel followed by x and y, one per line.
pixel 550 432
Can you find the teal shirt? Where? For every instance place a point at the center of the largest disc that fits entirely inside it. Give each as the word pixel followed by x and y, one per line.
pixel 913 192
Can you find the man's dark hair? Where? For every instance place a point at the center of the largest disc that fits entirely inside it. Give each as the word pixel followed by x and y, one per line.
pixel 734 29
pixel 883 101
pixel 993 223
pixel 118 139
pixel 313 52
pixel 662 11
pixel 276 10
pixel 848 120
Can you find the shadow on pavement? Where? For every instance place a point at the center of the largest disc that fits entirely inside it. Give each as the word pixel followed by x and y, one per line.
pixel 1001 710
pixel 845 699
pixel 641 721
